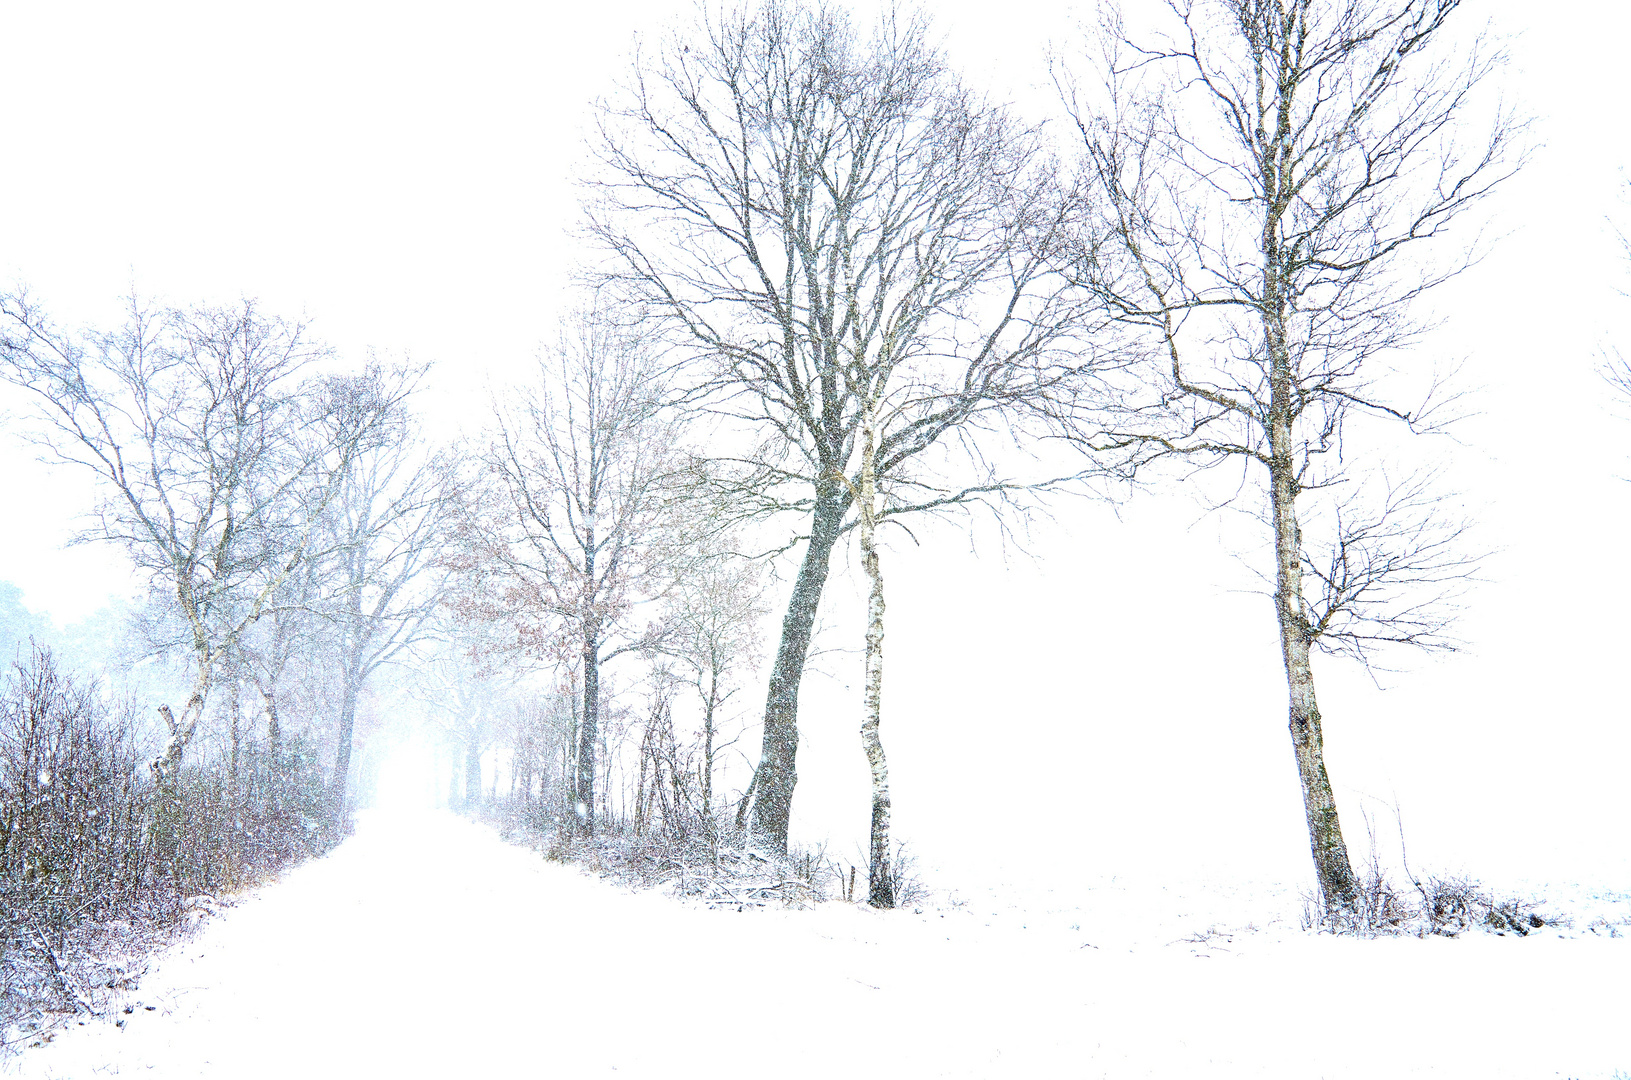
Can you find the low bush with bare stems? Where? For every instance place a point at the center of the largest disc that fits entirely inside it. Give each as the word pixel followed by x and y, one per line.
pixel 1448 905
pixel 711 863
pixel 90 883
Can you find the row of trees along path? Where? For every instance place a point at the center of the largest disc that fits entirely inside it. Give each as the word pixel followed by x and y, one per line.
pixel 875 268
pixel 262 493
pixel 867 278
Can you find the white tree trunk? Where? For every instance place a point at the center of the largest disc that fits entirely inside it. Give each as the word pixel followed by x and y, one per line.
pixel 880 882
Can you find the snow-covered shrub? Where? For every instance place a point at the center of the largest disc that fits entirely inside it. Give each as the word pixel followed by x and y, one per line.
pixel 79 829
pixel 1448 906
pixel 242 826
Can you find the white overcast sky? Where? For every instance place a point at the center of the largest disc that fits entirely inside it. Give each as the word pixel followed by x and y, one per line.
pixel 402 174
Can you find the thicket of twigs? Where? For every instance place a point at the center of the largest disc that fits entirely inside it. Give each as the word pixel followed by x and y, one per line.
pixel 661 821
pixel 1448 905
pixel 706 860
pixel 90 874
pixel 1442 904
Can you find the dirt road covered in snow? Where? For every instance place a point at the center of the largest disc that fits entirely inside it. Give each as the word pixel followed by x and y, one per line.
pixel 425 946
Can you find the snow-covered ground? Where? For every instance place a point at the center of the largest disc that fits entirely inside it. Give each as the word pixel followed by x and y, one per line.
pixel 425 946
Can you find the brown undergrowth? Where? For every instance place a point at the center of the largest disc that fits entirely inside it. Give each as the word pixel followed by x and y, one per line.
pixel 97 869
pixel 717 869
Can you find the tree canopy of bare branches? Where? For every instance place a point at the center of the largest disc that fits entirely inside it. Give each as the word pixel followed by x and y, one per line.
pixel 584 514
pixel 217 446
pixel 1274 174
pixel 819 216
pixel 712 626
pixel 384 533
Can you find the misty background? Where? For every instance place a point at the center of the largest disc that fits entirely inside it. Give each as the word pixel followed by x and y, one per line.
pixel 405 179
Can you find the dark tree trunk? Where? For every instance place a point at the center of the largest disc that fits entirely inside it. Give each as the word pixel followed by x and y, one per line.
pixel 588 731
pixel 352 688
pixel 773 803
pixel 705 779
pixel 234 718
pixel 274 750
pixel 342 755
pixel 274 729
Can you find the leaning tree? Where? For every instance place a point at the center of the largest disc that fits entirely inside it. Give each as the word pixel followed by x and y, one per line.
pixel 823 218
pixel 1275 174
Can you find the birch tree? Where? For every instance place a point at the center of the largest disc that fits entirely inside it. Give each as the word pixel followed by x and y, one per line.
pixel 789 196
pixel 217 447
pixel 880 881
pixel 1276 174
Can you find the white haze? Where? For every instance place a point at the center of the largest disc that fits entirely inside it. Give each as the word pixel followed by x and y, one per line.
pixel 1111 704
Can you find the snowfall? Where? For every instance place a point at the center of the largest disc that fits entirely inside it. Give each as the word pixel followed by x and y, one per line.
pixel 427 946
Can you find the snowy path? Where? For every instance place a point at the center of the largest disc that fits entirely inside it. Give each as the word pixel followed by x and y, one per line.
pixel 426 947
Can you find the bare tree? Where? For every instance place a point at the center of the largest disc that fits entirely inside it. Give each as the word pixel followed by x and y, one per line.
pixel 712 620
pixel 794 200
pixel 1273 172
pixel 385 531
pixel 217 449
pixel 282 642
pixel 536 728
pixel 464 700
pixel 579 528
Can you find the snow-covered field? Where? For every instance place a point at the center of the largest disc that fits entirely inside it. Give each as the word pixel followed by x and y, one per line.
pixel 425 946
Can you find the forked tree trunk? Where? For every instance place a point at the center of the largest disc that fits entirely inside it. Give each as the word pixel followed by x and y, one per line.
pixel 167 766
pixel 880 882
pixel 777 772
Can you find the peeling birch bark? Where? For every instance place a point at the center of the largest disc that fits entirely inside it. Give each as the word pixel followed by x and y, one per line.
pixel 880 882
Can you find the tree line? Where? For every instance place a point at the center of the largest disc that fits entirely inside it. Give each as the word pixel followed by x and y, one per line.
pixel 841 292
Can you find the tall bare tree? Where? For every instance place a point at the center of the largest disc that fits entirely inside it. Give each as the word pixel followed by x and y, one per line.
pixel 793 199
pixel 384 531
pixel 217 448
pixel 587 482
pixel 1275 174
